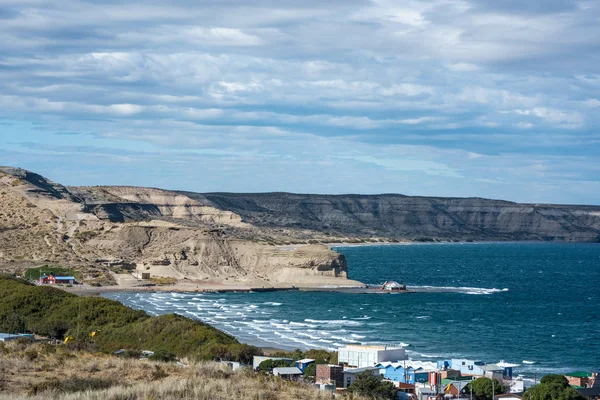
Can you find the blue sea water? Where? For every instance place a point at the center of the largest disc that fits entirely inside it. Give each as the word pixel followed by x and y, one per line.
pixel 536 304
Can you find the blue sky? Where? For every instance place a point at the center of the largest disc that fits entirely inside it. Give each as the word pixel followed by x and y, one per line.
pixel 494 99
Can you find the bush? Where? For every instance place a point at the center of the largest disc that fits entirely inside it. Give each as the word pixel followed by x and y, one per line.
pixel 268 365
pixel 163 356
pixel 70 385
pixel 371 386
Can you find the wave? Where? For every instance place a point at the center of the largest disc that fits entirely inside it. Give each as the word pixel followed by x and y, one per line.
pixel 528 362
pixel 456 289
pixel 340 322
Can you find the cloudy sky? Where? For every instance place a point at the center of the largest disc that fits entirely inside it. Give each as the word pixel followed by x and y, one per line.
pixel 483 98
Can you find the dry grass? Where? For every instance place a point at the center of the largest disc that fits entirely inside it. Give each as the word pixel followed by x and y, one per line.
pixel 159 280
pixel 36 372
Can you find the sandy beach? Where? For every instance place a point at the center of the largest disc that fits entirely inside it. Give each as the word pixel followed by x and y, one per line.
pixel 127 283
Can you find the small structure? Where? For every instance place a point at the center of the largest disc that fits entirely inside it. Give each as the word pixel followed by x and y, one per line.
pixel 351 374
pixel 393 286
pixel 8 337
pixel 578 378
pixel 330 374
pixel 288 373
pixel 302 364
pixel 510 396
pixel 359 356
pixel 425 393
pixel 329 387
pixel 141 275
pixel 232 365
pixel 54 280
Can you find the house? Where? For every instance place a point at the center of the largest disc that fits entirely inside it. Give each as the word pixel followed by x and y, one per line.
pixel 359 356
pixel 407 371
pixel 53 280
pixel 578 378
pixel 259 359
pixel 289 373
pixel 466 367
pixel 425 393
pixel 302 364
pixel 330 374
pixel 507 369
pixel 351 374
pixel 454 388
pixel 405 391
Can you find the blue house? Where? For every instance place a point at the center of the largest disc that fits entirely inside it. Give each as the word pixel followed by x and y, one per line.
pixel 396 372
pixel 302 364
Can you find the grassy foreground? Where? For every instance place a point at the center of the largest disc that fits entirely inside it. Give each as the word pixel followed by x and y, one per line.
pixel 40 371
pixel 52 312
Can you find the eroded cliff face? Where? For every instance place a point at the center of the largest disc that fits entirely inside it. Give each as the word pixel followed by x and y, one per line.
pixel 414 218
pixel 164 233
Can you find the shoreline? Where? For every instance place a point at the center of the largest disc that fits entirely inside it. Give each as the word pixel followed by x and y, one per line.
pixel 85 290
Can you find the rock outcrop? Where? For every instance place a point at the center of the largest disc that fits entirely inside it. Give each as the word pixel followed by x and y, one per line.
pixel 165 233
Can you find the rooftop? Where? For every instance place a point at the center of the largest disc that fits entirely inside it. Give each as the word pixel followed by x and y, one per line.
pixel 579 374
pixel 287 371
pixel 305 361
pixel 416 365
pixel 359 370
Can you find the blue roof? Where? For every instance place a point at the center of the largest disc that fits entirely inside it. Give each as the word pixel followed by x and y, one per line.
pixel 6 335
pixel 65 277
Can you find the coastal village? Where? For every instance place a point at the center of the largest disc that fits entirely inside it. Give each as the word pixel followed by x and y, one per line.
pixel 417 380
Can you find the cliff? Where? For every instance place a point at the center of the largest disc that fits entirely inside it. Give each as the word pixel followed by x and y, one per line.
pixel 164 233
pixel 414 218
pixel 248 238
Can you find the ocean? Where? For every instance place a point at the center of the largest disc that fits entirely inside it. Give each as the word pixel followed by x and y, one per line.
pixel 534 304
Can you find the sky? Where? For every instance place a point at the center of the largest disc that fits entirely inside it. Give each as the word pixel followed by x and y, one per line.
pixel 461 98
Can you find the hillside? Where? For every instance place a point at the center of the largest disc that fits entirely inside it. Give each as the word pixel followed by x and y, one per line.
pixel 51 312
pixel 164 233
pixel 254 240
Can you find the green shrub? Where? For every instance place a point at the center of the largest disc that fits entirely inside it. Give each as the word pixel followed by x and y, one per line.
pixel 164 356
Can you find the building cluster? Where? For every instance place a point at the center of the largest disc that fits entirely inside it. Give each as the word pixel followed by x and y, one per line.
pixel 418 380
pixel 50 279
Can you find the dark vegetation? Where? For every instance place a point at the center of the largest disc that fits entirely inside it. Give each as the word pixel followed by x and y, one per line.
pixel 71 385
pixel 553 387
pixel 482 388
pixel 371 386
pixel 54 313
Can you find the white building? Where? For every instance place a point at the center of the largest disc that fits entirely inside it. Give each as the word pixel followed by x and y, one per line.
pixel 359 356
